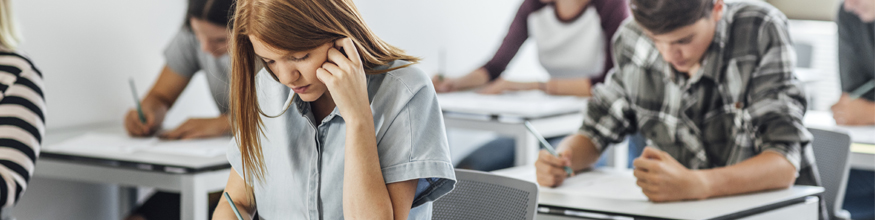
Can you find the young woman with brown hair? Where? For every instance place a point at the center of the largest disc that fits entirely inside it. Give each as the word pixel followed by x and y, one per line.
pixel 360 135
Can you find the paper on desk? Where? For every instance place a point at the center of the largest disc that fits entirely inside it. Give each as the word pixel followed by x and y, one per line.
pixel 601 183
pixel 118 143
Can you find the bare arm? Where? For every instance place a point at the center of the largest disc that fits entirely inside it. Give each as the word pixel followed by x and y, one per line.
pixel 663 179
pixel 473 79
pixel 365 194
pixel 236 188
pixel 156 103
pixel 575 87
pixel 768 170
pixel 167 88
pixel 576 151
pixel 583 151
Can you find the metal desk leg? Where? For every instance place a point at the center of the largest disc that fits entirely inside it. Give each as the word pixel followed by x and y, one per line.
pixel 195 191
pixel 526 146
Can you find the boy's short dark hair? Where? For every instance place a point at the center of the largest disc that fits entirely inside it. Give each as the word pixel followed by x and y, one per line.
pixel 663 16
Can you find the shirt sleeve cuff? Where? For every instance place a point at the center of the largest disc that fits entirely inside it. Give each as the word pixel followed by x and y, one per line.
pixel 596 141
pixel 441 176
pixel 792 152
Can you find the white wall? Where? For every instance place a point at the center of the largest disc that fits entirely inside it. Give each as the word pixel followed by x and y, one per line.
pixel 87 51
pixel 469 31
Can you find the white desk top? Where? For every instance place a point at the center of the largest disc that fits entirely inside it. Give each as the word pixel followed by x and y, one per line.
pixel 616 192
pixel 142 160
pixel 824 120
pixel 523 104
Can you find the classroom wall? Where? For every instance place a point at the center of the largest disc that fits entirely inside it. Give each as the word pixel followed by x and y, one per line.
pixel 87 51
pixel 469 31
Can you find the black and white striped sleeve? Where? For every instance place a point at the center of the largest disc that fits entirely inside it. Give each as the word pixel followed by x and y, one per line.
pixel 22 124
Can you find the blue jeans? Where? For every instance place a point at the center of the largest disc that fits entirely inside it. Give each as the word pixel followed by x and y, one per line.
pixel 500 153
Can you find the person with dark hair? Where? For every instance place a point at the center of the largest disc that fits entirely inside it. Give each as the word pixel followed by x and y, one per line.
pixel 200 45
pixel 573 41
pixel 856 26
pixel 710 85
pixel 856 31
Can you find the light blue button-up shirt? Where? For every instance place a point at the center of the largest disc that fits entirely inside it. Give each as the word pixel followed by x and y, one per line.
pixel 304 158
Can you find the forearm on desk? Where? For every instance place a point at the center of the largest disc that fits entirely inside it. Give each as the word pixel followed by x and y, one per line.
pixel 768 170
pixel 473 79
pixel 575 87
pixel 583 151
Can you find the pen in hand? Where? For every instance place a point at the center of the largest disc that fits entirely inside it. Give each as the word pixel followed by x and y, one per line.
pixel 862 89
pixel 546 145
pixel 137 101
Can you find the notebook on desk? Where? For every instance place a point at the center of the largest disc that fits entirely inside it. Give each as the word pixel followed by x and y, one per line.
pixel 122 144
pixel 614 194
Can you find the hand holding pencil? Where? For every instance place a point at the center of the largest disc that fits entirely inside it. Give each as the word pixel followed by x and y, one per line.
pixel 145 118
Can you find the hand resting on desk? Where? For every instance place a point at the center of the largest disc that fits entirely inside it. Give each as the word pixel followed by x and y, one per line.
pixel 662 178
pixel 200 128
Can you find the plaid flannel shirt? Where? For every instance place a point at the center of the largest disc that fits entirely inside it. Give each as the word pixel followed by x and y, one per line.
pixel 743 101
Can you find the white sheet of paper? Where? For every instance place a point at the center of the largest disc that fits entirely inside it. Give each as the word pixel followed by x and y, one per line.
pixel 119 143
pixel 202 147
pixel 601 183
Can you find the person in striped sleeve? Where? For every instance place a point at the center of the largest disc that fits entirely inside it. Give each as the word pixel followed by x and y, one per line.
pixel 22 114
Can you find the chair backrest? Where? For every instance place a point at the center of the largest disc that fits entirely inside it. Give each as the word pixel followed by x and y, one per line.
pixel 832 149
pixel 481 195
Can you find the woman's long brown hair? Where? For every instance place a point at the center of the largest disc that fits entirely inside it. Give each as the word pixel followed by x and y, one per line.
pixel 291 25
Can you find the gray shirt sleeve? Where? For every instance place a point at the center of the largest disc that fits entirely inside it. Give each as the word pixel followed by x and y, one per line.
pixel 181 54
pixel 414 144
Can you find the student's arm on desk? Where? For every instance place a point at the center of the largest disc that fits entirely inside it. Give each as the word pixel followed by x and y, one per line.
pixel 775 104
pixel 663 179
pixel 473 79
pixel 236 188
pixel 156 103
pixel 576 87
pixel 576 151
pixel 849 111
